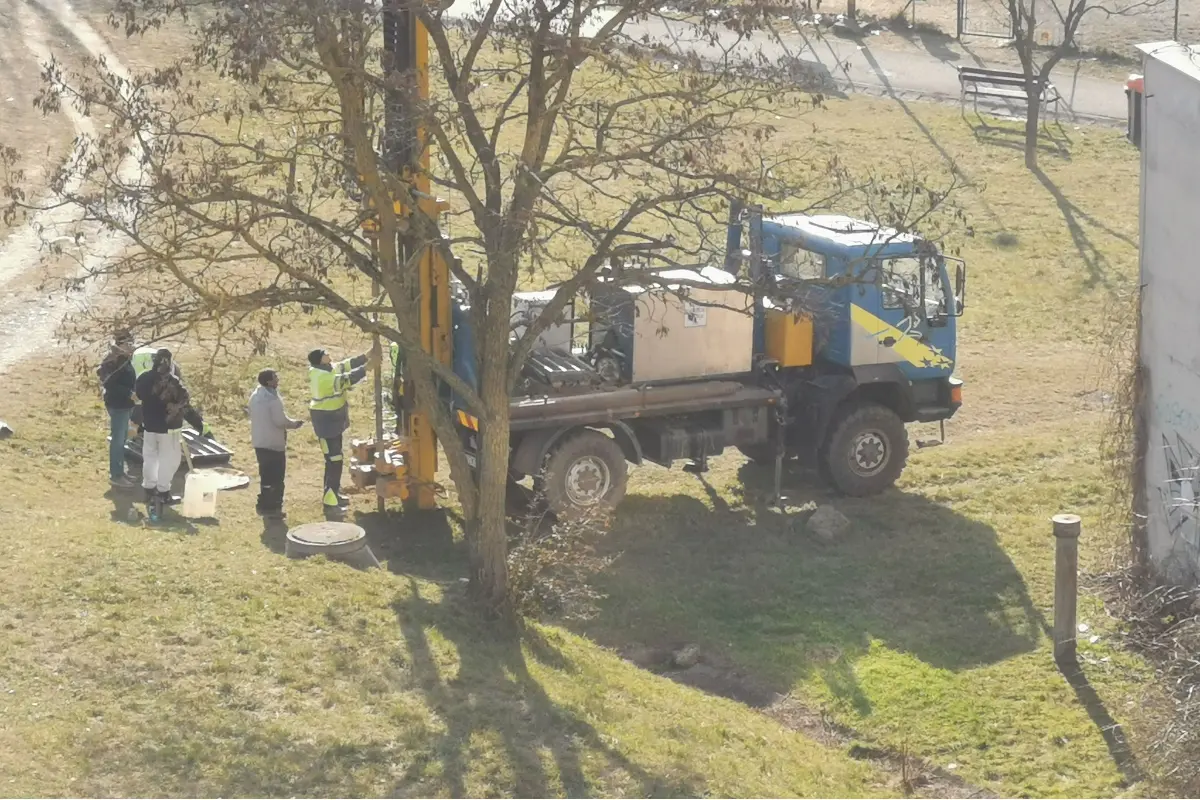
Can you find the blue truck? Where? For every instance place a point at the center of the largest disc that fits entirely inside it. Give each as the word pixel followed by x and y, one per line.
pixel 847 336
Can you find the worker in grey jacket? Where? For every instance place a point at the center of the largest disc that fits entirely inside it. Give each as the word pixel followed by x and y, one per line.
pixel 269 424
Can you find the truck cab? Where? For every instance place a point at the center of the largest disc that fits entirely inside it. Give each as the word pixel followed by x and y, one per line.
pixel 853 315
pixel 887 298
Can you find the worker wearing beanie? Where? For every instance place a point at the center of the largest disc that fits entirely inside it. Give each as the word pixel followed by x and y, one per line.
pixel 143 361
pixel 328 383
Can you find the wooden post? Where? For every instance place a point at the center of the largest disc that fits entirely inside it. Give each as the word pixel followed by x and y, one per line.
pixel 380 502
pixel 1066 584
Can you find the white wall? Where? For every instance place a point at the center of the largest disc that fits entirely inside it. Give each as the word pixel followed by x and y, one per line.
pixel 1170 339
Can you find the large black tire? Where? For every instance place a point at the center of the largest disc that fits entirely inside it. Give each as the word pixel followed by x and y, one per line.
pixel 866 450
pixel 584 474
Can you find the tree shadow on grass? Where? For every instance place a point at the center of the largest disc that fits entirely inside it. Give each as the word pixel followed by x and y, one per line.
pixel 752 585
pixel 1011 138
pixel 421 543
pixel 493 695
pixel 1094 259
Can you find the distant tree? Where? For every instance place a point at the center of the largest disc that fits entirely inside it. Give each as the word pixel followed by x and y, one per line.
pixel 1030 19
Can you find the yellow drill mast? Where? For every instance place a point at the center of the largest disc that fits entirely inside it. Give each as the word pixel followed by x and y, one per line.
pixel 406 51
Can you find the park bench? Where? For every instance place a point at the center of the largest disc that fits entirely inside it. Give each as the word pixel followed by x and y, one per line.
pixel 1004 84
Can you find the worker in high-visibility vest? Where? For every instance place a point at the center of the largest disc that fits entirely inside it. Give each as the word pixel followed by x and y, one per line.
pixel 328 383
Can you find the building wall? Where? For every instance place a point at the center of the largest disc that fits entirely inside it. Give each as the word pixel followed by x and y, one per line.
pixel 1169 347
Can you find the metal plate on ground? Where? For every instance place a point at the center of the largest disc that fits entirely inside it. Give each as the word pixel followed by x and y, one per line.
pixel 204 452
pixel 227 477
pixel 327 534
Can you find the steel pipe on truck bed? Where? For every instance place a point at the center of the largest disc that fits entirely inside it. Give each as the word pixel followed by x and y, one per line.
pixel 602 406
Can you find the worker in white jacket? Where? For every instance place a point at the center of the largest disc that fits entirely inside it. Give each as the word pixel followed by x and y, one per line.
pixel 269 424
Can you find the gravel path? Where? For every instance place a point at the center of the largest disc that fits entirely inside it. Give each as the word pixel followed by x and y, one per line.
pixel 29 317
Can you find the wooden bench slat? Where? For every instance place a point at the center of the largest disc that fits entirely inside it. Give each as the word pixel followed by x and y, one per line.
pixel 997 93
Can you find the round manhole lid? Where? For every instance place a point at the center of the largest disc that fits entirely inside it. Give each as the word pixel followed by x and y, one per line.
pixel 326 534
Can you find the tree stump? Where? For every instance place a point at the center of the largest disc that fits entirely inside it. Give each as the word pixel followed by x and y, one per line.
pixel 341 541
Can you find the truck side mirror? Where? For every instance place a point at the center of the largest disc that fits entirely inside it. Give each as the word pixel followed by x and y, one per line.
pixel 960 288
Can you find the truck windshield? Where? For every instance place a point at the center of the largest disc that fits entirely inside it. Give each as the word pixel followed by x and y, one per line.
pixel 904 279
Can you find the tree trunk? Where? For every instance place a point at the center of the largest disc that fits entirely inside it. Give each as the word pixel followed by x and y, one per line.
pixel 1033 109
pixel 487 532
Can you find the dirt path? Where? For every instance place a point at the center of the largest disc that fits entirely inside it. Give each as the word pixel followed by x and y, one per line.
pixel 29 318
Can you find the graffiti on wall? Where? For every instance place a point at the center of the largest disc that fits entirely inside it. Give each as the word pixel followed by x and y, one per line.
pixel 1180 498
pixel 1176 416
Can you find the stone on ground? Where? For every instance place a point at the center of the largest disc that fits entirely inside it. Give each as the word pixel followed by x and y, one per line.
pixel 827 523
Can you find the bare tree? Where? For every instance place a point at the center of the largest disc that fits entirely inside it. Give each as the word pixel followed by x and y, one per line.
pixel 1030 19
pixel 562 139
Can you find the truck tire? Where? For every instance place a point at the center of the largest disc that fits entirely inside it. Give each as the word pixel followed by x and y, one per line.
pixel 585 472
pixel 866 450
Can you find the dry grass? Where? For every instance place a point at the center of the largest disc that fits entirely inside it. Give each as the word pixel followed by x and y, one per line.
pixel 197 660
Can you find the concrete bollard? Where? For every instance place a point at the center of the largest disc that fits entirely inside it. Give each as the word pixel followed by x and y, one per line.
pixel 1066 585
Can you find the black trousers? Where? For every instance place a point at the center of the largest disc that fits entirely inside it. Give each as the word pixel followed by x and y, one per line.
pixel 272 466
pixel 331 448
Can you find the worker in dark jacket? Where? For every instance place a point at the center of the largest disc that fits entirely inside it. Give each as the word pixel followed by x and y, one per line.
pixel 164 403
pixel 328 383
pixel 143 361
pixel 117 379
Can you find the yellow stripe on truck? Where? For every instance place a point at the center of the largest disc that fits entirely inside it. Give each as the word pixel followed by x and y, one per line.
pixel 467 421
pixel 911 350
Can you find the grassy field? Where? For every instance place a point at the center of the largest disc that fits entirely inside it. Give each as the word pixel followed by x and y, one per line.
pixel 196 660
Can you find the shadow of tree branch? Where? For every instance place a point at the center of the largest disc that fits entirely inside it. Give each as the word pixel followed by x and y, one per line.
pixel 494 693
pixel 1096 262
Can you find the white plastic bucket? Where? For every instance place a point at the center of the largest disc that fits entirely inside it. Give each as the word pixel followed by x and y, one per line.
pixel 200 494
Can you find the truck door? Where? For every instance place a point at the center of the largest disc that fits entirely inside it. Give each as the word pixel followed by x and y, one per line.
pixel 910 294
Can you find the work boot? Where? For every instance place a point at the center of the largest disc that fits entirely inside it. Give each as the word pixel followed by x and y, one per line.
pixel 169 499
pixel 343 501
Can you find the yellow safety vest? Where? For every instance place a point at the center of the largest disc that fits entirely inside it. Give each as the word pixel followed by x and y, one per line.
pixel 143 359
pixel 327 388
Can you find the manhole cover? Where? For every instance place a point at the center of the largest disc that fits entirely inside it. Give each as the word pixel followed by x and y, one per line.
pixel 326 534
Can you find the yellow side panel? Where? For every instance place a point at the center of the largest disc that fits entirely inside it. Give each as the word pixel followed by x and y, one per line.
pixel 789 338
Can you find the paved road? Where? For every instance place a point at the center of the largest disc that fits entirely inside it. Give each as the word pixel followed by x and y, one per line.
pixel 867 65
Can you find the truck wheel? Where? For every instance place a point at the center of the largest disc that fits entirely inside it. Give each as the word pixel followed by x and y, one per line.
pixel 866 450
pixel 585 472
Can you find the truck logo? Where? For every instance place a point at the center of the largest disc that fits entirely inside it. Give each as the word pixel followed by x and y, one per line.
pixel 901 342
